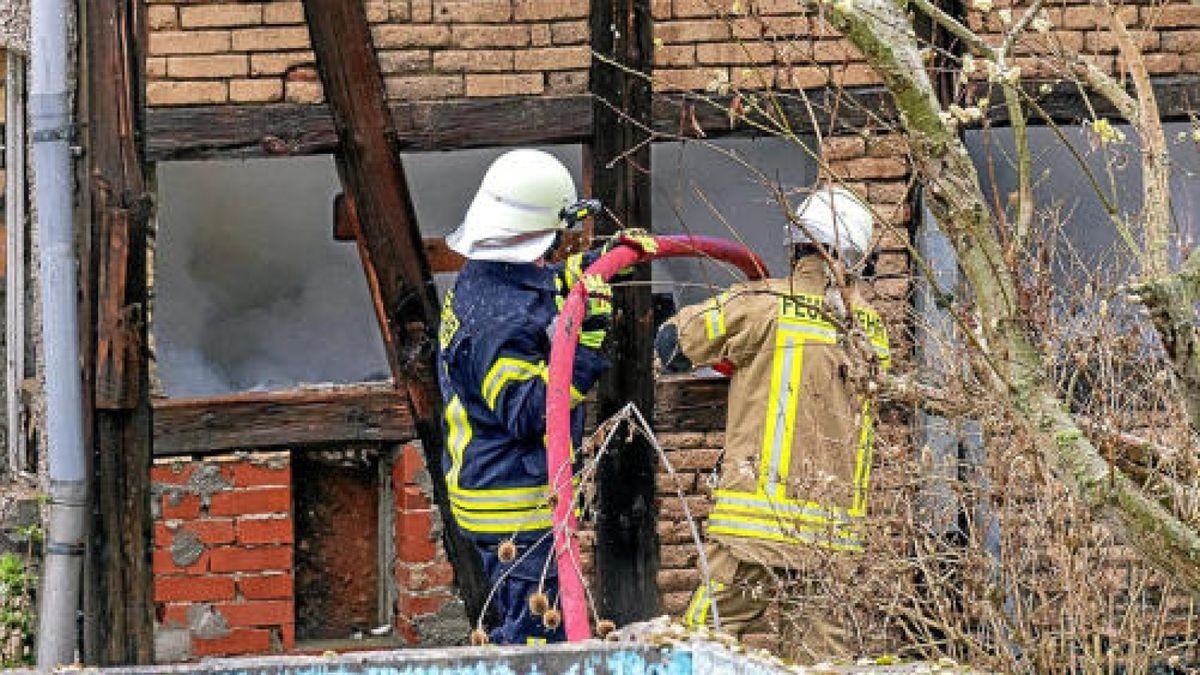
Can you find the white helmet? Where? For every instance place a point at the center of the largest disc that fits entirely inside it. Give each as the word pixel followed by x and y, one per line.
pixel 517 210
pixel 837 218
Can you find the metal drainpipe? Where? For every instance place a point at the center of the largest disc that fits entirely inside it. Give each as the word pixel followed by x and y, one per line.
pixel 50 130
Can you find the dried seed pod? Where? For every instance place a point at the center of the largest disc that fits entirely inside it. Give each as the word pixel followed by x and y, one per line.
pixel 538 603
pixel 507 552
pixel 604 627
pixel 552 619
pixel 479 637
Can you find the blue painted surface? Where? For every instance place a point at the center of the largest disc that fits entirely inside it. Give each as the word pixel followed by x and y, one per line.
pixel 592 658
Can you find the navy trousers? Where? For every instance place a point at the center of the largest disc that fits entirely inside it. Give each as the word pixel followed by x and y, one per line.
pixel 514 582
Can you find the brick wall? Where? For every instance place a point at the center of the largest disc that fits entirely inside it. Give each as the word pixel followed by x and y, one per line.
pixel 213 52
pixel 424 578
pixel 1168 35
pixel 258 52
pixel 762 44
pixel 223 548
pixel 224 545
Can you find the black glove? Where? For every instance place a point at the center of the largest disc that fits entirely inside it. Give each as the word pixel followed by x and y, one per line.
pixel 666 343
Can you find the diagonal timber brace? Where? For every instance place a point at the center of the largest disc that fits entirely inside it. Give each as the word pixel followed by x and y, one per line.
pixel 390 241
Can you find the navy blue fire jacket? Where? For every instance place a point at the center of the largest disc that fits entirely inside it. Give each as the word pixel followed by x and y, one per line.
pixel 494 350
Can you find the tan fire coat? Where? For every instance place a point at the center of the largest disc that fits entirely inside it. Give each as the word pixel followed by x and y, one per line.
pixel 799 435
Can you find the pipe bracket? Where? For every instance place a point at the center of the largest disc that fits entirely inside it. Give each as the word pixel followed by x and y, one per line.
pixel 62 548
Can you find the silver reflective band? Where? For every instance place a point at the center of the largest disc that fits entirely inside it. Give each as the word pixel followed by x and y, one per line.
pixel 782 407
pixel 806 329
pixel 806 536
pixel 536 496
pixel 783 508
pixel 535 519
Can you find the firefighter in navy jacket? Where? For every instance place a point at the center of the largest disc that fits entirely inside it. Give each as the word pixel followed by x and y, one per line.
pixel 494 352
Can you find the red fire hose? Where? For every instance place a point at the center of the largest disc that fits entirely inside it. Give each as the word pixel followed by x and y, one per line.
pixel 558 402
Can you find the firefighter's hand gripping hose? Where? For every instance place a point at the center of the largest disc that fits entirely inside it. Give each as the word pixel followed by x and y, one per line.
pixel 558 398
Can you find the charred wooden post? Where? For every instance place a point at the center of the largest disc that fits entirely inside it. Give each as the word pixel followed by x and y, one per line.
pixel 119 597
pixel 626 537
pixel 393 251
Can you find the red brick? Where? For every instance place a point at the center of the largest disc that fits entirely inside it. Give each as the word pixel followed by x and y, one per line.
pixel 691 31
pixel 408 466
pixel 414 523
pixel 182 589
pixel 490 37
pixel 472 11
pixel 412 497
pixel 239 641
pixel 540 10
pixel 569 33
pixel 249 474
pixel 265 531
pixel 420 605
pixel 424 577
pixel 287 635
pixel 258 613
pixel 171 474
pixel 163 563
pixel 237 559
pixel 209 531
pixel 399 36
pixel 1177 14
pixel 267 587
pixel 175 615
pixel 251 502
pixel 871 167
pixel 180 507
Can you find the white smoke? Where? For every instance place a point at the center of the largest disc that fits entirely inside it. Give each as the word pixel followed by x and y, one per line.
pixel 251 290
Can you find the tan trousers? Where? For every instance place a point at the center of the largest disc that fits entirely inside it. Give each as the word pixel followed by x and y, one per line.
pixel 740 592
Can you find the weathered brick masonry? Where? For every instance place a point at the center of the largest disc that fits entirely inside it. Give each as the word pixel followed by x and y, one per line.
pixel 224 556
pixel 251 53
pixel 258 52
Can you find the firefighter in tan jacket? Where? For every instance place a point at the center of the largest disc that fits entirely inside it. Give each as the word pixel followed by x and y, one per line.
pixel 792 496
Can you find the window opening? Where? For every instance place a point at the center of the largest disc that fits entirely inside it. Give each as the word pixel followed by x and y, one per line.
pixel 716 188
pixel 252 291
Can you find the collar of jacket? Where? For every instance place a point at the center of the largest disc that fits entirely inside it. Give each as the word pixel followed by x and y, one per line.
pixel 809 272
pixel 526 275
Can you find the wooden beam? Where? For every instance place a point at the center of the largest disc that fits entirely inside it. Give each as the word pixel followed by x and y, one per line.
pixel 257 420
pixel 115 281
pixel 291 129
pixel 626 534
pixel 394 257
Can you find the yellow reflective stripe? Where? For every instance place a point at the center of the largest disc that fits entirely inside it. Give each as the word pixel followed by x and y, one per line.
pixel 714 319
pixel 507 369
pixel 458 436
pixel 449 324
pixel 702 599
pixel 504 499
pixel 714 323
pixel 831 537
pixel 779 430
pixel 762 505
pixel 573 270
pixel 533 641
pixel 862 461
pixel 502 522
